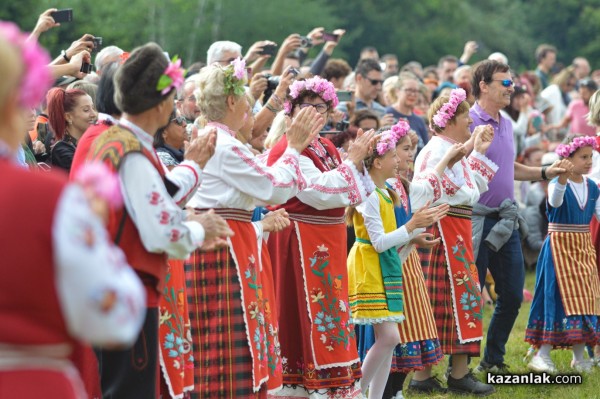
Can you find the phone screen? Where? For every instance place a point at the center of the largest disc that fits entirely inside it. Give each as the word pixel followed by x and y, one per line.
pixel 330 37
pixel 65 15
pixel 344 96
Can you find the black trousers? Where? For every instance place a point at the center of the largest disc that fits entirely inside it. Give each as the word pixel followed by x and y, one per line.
pixel 132 373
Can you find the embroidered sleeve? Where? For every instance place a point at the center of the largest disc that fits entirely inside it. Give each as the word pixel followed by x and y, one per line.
pixel 332 189
pixel 452 182
pixel 159 220
pixel 103 300
pixel 272 185
pixel 187 176
pixel 425 187
pixel 483 168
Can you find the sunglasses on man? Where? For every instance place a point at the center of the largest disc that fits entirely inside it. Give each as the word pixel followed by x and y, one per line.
pixel 505 82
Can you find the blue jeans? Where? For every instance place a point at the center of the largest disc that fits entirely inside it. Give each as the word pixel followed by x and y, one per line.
pixel 508 270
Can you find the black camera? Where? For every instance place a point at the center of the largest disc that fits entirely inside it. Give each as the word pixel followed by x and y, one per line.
pixel 305 42
pixel 273 82
pixel 86 68
pixel 342 126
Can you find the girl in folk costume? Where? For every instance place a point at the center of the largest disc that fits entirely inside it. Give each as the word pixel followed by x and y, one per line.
pixel 451 274
pixel 318 346
pixel 566 303
pixel 420 348
pixel 230 290
pixel 374 271
pixel 73 284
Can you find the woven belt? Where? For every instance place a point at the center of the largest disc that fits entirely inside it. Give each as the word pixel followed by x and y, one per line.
pixel 231 214
pixel 464 212
pixel 568 228
pixel 313 219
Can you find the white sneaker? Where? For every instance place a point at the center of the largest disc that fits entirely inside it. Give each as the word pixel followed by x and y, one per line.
pixel 399 395
pixel 584 366
pixel 542 364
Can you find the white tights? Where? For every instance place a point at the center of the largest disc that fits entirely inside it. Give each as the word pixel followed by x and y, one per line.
pixel 376 367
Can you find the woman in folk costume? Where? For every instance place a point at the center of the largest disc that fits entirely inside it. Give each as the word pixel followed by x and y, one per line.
pixel 318 346
pixel 73 284
pixel 451 275
pixel 375 276
pixel 566 302
pixel 230 290
pixel 420 348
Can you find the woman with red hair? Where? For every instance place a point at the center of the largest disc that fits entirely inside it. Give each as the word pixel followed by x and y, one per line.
pixel 70 113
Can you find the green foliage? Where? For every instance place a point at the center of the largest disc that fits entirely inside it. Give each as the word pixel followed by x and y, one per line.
pixel 423 30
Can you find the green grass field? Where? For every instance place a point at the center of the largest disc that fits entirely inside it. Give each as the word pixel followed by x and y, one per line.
pixel 515 351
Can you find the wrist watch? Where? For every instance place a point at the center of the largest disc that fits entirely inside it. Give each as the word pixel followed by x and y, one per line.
pixel 64 55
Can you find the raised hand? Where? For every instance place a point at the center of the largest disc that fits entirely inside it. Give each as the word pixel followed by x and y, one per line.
pixel 44 23
pixel 484 138
pixel 202 148
pixel 560 168
pixel 304 128
pixel 361 148
pixel 452 156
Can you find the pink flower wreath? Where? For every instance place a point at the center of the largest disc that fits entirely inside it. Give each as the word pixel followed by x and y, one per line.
pixel 447 111
pixel 565 150
pixel 321 87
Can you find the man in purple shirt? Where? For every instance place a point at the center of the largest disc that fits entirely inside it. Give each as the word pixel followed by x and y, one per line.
pixel 492 87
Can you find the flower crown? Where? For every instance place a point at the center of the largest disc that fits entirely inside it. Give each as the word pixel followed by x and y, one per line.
pixel 444 114
pixel 390 138
pixel 236 77
pixel 36 78
pixel 565 150
pixel 321 87
pixel 172 77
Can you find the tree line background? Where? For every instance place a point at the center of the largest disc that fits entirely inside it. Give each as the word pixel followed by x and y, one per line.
pixel 420 30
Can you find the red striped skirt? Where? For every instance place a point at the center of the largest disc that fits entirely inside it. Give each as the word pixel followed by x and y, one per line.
pixel 222 358
pixel 435 270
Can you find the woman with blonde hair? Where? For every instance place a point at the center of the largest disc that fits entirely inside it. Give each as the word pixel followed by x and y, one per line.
pixel 230 290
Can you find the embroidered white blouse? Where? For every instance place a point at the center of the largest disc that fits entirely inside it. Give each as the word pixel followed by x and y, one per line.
pixel 235 178
pixel 158 216
pixel 102 299
pixel 337 188
pixel 460 185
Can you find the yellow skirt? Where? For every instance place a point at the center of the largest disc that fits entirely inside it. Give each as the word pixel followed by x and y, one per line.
pixel 366 294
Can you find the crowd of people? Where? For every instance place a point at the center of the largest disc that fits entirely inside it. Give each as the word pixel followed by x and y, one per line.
pixel 270 225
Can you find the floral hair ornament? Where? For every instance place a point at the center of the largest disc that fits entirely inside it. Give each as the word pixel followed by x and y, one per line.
pixel 390 138
pixel 447 111
pixel 104 183
pixel 36 78
pixel 321 87
pixel 565 150
pixel 236 77
pixel 172 77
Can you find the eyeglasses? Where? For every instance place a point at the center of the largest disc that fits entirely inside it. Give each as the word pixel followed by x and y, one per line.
pixel 321 107
pixel 504 82
pixel 180 121
pixel 411 91
pixel 375 82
